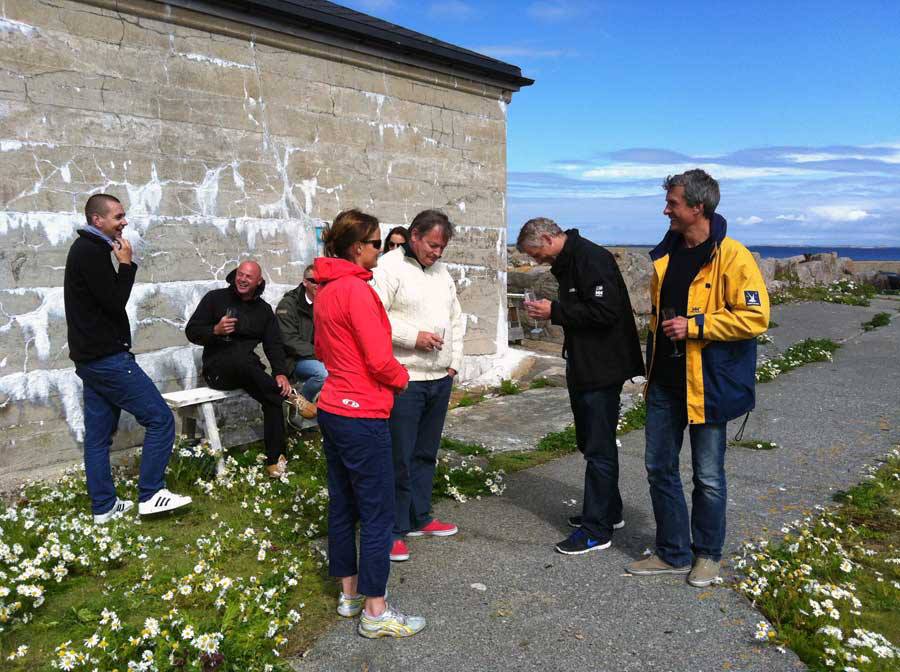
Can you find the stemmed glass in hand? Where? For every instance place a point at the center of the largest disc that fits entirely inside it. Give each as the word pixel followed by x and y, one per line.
pixel 439 331
pixel 531 297
pixel 669 314
pixel 232 313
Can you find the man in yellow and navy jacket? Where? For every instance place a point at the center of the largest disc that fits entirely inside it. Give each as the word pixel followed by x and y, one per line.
pixel 709 303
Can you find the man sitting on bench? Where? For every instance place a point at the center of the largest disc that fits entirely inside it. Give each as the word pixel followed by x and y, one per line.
pixel 229 323
pixel 295 317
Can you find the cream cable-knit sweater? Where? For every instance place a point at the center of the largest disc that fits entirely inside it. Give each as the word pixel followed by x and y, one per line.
pixel 418 299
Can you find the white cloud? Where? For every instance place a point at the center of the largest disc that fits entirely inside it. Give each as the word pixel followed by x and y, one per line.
pixel 752 219
pixel 792 218
pixel 812 157
pixel 841 213
pixel 639 171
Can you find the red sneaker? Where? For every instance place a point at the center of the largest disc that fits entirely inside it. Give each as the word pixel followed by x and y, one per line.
pixel 399 551
pixel 435 528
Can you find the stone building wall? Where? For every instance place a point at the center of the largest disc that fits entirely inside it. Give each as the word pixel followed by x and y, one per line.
pixel 223 142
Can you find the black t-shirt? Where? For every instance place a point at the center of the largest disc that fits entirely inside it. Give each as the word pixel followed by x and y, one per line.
pixel 684 264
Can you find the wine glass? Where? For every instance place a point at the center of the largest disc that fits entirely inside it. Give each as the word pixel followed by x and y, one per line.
pixel 439 331
pixel 531 297
pixel 670 314
pixel 232 312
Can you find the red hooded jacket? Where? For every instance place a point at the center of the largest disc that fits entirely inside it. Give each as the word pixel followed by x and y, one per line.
pixel 353 341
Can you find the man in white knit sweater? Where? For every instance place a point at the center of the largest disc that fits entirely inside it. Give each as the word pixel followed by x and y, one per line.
pixel 428 327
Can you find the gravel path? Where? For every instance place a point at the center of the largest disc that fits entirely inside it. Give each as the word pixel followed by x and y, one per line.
pixel 499 598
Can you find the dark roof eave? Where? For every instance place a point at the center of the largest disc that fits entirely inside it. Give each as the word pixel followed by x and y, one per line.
pixel 320 17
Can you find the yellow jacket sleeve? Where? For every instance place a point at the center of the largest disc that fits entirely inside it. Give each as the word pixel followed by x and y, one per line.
pixel 745 312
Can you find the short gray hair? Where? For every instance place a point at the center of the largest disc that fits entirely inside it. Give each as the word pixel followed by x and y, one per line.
pixel 699 187
pixel 533 229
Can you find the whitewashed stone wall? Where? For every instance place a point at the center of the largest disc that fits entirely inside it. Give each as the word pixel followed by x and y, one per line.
pixel 222 143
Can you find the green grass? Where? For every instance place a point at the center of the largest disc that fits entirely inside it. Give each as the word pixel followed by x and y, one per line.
pixel 846 561
pixel 799 354
pixel 463 448
pixel 469 400
pixel 550 447
pixel 878 320
pixel 847 292
pixel 753 444
pixel 539 383
pixel 634 418
pixel 508 387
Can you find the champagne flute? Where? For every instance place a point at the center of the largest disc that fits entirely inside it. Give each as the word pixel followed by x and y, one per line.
pixel 670 314
pixel 439 332
pixel 531 297
pixel 230 311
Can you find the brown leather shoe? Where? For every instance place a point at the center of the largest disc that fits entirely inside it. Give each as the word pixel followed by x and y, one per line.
pixel 304 406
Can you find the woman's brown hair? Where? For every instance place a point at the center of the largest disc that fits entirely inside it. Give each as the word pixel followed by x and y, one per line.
pixel 348 228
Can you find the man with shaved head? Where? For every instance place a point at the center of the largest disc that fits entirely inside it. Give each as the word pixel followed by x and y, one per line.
pixel 229 323
pixel 96 292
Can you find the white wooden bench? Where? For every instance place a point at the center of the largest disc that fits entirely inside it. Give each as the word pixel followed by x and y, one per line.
pixel 185 404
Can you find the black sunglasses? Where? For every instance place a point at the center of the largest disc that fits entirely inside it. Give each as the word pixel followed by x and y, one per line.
pixel 374 242
pixel 391 245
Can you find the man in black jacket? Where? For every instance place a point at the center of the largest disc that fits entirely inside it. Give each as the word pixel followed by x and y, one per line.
pixel 95 294
pixel 295 317
pixel 602 351
pixel 229 323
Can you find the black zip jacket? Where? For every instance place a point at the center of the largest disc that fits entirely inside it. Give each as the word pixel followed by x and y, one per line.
pixel 95 295
pixel 601 345
pixel 256 324
pixel 295 317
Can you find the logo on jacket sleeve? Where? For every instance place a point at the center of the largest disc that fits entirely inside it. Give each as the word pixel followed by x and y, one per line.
pixel 350 403
pixel 751 298
pixel 598 292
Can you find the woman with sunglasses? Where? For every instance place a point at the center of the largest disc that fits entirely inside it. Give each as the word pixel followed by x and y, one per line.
pixel 395 238
pixel 353 340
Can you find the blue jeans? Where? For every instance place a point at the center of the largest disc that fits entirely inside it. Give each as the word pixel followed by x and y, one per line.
pixel 666 420
pixel 417 422
pixel 360 489
pixel 312 373
pixel 112 384
pixel 596 414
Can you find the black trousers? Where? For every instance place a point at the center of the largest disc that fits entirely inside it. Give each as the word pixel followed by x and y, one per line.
pixel 249 375
pixel 596 415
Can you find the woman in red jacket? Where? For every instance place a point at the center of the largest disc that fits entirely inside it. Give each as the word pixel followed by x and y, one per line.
pixel 353 341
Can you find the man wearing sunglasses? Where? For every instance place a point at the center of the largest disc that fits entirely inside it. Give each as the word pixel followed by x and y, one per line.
pixel 295 317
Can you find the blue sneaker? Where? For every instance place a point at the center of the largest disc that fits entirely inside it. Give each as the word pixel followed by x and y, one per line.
pixel 579 542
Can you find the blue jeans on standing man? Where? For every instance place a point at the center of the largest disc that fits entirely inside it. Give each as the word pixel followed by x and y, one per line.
pixel 596 415
pixel 666 420
pixel 417 422
pixel 112 384
pixel 313 374
pixel 360 489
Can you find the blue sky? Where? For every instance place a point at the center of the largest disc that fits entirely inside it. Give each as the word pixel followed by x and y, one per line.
pixel 793 106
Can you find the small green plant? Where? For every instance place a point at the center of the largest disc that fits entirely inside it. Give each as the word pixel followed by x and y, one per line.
pixel 538 383
pixel 634 418
pixel 508 387
pixel 764 339
pixel 462 448
pixel 772 324
pixel 878 320
pixel 847 292
pixel 804 352
pixel 753 444
pixel 555 444
pixel 469 400
pixel 466 480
